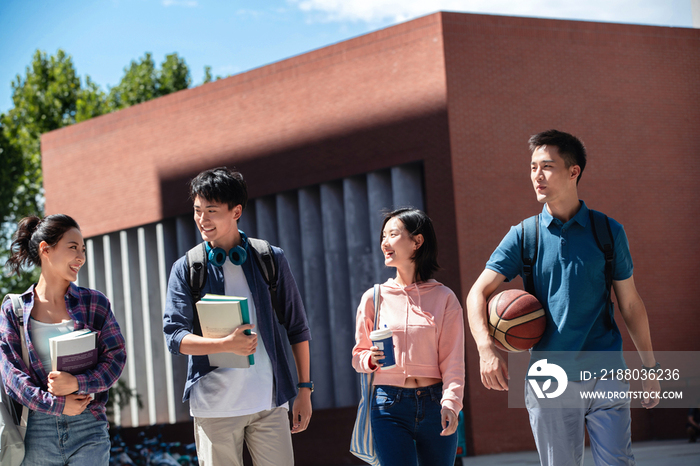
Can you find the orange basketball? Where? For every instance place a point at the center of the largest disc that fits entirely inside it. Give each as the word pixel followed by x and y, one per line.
pixel 516 320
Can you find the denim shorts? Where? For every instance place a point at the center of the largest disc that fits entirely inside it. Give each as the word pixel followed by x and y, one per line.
pixel 59 440
pixel 406 427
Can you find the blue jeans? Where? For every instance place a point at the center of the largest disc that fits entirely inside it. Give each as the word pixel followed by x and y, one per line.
pixel 60 440
pixel 406 427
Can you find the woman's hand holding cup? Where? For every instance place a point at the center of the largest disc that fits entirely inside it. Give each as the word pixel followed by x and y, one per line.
pixel 374 356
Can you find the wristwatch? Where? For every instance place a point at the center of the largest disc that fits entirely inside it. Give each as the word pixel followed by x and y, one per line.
pixel 656 366
pixel 306 385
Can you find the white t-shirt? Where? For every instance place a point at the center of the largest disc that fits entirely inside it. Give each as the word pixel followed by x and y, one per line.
pixel 41 332
pixel 228 392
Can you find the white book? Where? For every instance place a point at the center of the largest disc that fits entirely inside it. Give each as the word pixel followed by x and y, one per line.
pixel 218 317
pixel 74 352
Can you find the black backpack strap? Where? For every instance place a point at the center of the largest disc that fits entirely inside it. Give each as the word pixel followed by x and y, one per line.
pixel 262 251
pixel 196 278
pixel 530 229
pixel 600 224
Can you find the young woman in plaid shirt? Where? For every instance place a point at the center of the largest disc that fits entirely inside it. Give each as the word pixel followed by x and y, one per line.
pixel 66 425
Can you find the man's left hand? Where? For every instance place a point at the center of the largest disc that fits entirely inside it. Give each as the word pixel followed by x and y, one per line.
pixel 651 386
pixel 301 411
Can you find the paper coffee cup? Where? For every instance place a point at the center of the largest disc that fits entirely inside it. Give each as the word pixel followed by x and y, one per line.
pixel 383 340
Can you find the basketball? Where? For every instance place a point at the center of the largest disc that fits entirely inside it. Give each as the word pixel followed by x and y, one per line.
pixel 516 320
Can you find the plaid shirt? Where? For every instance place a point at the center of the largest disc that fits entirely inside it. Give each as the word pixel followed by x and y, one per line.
pixel 89 309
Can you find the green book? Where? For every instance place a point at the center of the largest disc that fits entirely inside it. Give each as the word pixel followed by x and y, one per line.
pixel 219 316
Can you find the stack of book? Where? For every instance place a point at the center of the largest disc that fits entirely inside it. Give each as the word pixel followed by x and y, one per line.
pixel 219 316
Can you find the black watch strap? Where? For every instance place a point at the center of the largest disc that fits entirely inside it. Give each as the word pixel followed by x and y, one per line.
pixel 656 366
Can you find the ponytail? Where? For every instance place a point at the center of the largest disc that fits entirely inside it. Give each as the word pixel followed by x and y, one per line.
pixel 31 231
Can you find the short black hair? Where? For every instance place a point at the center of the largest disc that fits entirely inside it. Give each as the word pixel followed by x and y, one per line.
pixel 220 185
pixel 416 222
pixel 571 149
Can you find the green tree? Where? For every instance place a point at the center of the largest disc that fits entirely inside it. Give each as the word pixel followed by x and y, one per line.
pixel 174 75
pixel 14 204
pixel 50 96
pixel 91 102
pixel 207 75
pixel 142 81
pixel 44 100
pixel 138 84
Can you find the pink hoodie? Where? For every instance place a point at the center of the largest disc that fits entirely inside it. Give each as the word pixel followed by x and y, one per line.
pixel 428 325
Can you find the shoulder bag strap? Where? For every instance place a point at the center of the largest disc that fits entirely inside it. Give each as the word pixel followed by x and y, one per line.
pixel 377 297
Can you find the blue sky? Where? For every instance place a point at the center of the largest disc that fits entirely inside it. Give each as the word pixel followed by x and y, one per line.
pixel 104 36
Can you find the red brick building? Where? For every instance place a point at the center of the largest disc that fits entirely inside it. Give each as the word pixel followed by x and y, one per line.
pixel 439 108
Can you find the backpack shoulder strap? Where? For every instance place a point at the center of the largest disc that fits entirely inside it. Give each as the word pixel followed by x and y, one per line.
pixel 196 278
pixel 262 251
pixel 530 229
pixel 600 224
pixel 18 309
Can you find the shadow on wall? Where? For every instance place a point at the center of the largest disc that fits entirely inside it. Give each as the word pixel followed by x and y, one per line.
pixel 358 151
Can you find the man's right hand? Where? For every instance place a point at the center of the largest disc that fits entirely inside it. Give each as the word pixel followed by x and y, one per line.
pixel 76 404
pixel 240 343
pixel 493 367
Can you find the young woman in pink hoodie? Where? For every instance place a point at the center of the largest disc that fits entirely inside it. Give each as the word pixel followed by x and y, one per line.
pixel 416 402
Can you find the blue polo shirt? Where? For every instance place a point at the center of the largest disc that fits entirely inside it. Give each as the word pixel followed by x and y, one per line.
pixel 569 278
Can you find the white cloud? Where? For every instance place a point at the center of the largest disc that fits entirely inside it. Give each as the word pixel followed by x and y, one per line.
pixel 375 11
pixel 185 3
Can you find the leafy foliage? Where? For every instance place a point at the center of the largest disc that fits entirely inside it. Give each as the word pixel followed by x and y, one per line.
pixel 50 96
pixel 207 75
pixel 120 395
pixel 44 100
pixel 142 81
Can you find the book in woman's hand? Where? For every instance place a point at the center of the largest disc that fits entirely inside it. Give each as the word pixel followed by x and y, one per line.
pixel 74 352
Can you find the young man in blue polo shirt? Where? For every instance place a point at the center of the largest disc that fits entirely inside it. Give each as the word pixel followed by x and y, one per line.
pixel 570 283
pixel 231 406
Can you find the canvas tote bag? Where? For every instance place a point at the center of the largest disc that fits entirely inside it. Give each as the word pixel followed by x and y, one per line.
pixel 362 444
